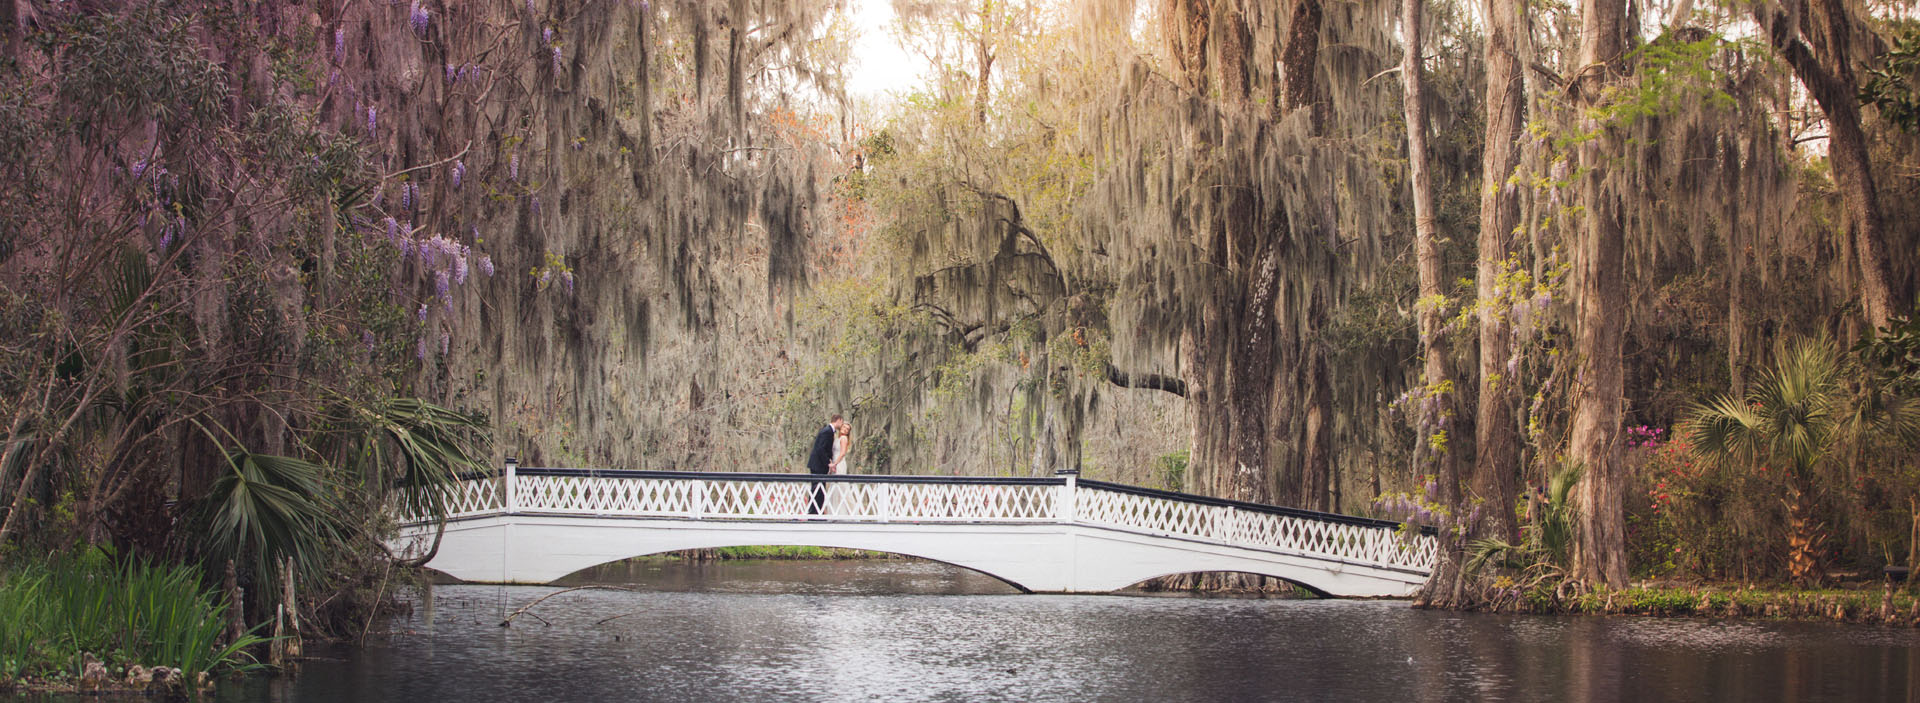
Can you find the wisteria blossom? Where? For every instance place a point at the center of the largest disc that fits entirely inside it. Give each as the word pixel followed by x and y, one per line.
pixel 339 45
pixel 420 18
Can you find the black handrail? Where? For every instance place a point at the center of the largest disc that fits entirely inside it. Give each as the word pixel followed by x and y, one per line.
pixel 835 478
pixel 968 480
pixel 1251 507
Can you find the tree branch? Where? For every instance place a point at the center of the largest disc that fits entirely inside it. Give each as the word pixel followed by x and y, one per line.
pixel 1149 381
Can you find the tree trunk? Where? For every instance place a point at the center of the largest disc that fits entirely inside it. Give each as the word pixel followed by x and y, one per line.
pixel 1599 554
pixel 983 57
pixel 1804 537
pixel 1232 346
pixel 1496 435
pixel 1431 455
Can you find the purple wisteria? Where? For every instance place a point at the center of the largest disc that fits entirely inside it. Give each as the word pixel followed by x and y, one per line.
pixel 559 67
pixel 373 114
pixel 513 168
pixel 420 18
pixel 449 263
pixel 339 45
pixel 459 173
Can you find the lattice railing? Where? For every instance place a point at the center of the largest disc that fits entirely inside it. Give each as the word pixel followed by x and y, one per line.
pixel 714 496
pixel 1348 539
pixel 723 497
pixel 476 496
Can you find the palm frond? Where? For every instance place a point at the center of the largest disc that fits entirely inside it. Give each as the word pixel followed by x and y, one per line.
pixel 436 445
pixel 267 508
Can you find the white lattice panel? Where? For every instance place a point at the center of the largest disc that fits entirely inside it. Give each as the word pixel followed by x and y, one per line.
pixel 463 499
pixel 1165 516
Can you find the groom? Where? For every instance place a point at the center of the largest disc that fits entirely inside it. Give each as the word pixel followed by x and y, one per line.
pixel 819 457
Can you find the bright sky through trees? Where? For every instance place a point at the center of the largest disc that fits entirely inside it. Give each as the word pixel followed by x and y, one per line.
pixel 880 66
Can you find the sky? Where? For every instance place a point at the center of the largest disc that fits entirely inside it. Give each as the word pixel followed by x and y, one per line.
pixel 879 65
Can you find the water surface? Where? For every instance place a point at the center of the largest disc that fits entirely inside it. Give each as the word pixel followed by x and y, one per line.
pixel 911 630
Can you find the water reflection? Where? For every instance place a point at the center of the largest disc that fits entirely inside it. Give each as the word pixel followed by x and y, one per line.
pixel 903 630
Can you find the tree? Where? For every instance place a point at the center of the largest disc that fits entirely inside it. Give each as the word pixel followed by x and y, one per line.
pixel 1434 453
pixel 1595 442
pixel 1496 443
pixel 1816 38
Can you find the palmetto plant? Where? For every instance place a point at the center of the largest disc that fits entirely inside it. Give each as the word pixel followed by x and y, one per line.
pixel 435 447
pixel 268 508
pixel 1543 556
pixel 1791 419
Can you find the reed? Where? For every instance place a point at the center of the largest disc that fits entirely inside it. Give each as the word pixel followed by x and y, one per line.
pixel 123 613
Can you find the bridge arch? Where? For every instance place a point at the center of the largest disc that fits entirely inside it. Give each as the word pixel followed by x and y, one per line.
pixel 750 543
pixel 1308 587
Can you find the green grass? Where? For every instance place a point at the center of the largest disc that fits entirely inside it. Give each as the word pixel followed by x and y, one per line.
pixel 1899 607
pixel 53 613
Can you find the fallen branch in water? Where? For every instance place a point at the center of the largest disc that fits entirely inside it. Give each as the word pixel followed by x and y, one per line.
pixel 537 601
pixel 604 621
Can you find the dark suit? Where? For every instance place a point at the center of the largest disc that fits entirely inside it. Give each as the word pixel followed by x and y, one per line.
pixel 817 460
pixel 822 453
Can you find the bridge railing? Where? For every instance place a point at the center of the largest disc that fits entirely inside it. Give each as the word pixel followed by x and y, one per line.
pixel 938 499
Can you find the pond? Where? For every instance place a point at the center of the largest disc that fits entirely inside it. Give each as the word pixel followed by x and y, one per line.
pixel 915 630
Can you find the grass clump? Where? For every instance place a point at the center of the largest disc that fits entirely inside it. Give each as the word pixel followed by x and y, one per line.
pixel 56 614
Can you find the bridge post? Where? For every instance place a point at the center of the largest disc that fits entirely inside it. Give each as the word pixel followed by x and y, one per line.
pixel 883 502
pixel 1063 504
pixel 697 500
pixel 511 477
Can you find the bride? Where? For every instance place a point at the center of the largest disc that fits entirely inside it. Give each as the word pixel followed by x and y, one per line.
pixel 842 443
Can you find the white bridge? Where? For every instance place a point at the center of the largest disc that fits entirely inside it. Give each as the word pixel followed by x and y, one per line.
pixel 1047 535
